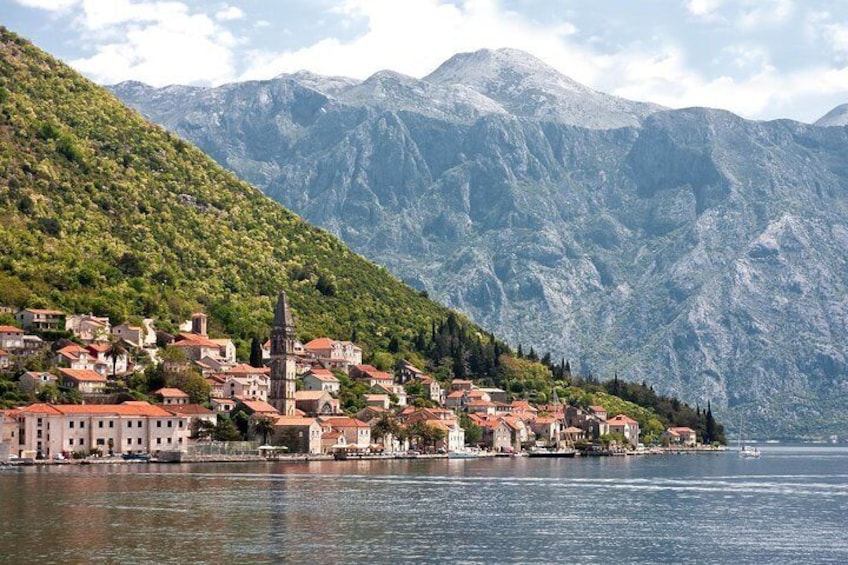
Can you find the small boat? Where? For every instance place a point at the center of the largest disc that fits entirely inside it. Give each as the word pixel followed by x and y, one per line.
pixel 553 453
pixel 463 455
pixel 749 452
pixel 135 457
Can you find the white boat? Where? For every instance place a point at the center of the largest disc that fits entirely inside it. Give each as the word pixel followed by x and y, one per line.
pixel 746 451
pixel 463 455
pixel 749 452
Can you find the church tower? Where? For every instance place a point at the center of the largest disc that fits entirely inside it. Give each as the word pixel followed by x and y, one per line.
pixel 283 366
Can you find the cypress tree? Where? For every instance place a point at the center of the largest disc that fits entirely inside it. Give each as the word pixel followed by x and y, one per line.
pixel 256 353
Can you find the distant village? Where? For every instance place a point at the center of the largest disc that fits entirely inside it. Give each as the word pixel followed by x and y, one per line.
pixel 288 405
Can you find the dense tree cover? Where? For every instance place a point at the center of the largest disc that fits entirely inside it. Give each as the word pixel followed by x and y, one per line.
pixel 104 212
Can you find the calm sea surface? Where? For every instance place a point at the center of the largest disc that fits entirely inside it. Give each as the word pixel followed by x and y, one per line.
pixel 789 506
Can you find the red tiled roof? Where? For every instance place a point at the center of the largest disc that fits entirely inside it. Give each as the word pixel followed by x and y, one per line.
pixel 345 422
pixel 83 375
pixel 10 330
pixel 125 409
pixel 310 394
pixel 44 312
pixel 170 393
pixel 188 410
pixel 622 419
pixel 249 370
pixel 259 406
pixel 320 343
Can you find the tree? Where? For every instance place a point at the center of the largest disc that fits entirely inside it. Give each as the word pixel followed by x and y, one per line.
pixel 226 430
pixel 256 353
pixel 710 426
pixel 384 427
pixel 473 432
pixel 265 427
pixel 202 429
pixel 115 352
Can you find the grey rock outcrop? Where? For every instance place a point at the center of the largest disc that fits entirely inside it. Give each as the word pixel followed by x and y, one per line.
pixel 692 249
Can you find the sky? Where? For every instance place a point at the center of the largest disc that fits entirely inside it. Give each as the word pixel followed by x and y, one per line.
pixel 762 59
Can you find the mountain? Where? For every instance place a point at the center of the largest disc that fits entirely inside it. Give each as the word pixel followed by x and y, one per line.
pixel 105 212
pixel 690 249
pixel 836 117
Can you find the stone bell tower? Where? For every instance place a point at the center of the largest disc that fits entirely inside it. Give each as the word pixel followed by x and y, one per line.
pixel 283 364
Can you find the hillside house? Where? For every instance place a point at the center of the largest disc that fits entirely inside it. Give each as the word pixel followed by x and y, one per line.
pixel 34 381
pixel 342 354
pixel 41 320
pixel 11 338
pixel 316 402
pixel 321 379
pixel 84 380
pixel 131 335
pixel 88 327
pixel 372 376
pixel 626 426
pixel 680 436
pixel 171 396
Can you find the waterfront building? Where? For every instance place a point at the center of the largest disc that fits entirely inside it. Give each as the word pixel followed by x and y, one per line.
pixel 130 427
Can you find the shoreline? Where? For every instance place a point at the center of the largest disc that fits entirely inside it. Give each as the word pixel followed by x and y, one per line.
pixel 303 458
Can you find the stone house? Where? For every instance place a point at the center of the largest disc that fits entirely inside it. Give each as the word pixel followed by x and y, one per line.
pixel 321 379
pixel 84 380
pixel 41 320
pixel 626 426
pixel 299 434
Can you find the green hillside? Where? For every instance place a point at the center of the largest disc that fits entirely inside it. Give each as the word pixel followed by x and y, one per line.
pixel 104 212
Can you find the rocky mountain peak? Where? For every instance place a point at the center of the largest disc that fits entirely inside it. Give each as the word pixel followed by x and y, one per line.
pixel 836 117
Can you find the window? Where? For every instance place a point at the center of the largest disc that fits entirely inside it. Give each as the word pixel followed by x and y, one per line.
pixel 158 423
pixel 39 421
pixel 101 441
pixel 100 424
pixel 38 434
pixel 129 441
pixel 158 441
pixel 179 440
pixel 139 424
pixel 129 424
pixel 139 441
pixel 170 424
pixel 70 424
pixel 82 441
pixel 71 441
pixel 82 424
pixel 181 423
pixel 111 424
pixel 169 440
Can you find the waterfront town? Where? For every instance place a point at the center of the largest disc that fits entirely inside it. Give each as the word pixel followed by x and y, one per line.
pixel 287 403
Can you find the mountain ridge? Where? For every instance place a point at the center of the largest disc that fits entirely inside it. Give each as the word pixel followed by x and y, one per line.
pixel 692 249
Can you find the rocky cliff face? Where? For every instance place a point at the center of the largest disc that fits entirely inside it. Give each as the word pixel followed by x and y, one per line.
pixel 692 249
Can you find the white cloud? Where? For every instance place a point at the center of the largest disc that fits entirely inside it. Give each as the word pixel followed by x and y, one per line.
pixel 229 13
pixel 704 8
pixel 413 37
pixel 158 42
pixel 756 14
pixel 49 5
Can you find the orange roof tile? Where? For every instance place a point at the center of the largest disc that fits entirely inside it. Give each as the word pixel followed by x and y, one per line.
pixel 170 393
pixel 320 343
pixel 10 330
pixel 188 410
pixel 83 375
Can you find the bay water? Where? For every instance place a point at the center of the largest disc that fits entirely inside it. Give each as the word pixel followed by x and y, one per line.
pixel 789 506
